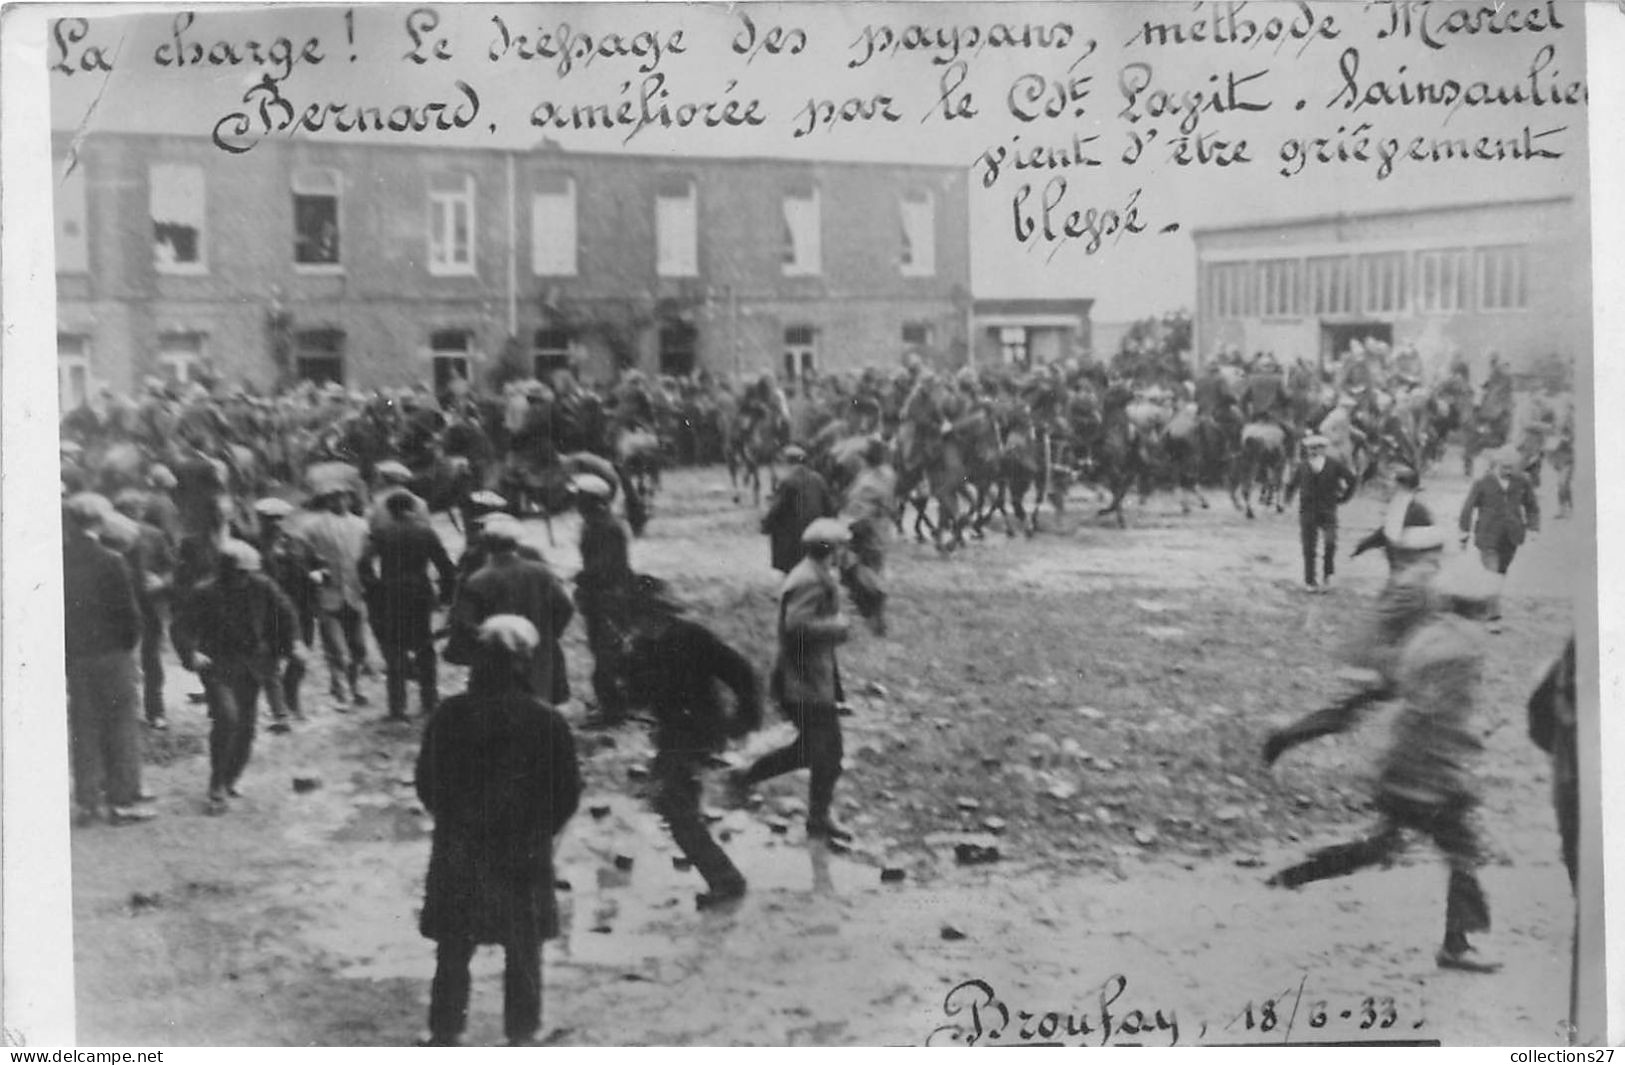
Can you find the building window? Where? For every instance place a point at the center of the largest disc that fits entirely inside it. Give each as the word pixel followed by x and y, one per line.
pixel 550 351
pixel 917 334
pixel 1442 281
pixel 676 229
pixel 449 351
pixel 1331 285
pixel 319 355
pixel 803 253
pixel 1503 279
pixel 553 226
pixel 1280 289
pixel 176 202
pixel 180 356
pixel 1230 290
pixel 800 351
pixel 919 218
pixel 451 224
pixel 316 218
pixel 1382 282
pixel 72 370
pixel 72 244
pixel 679 342
pixel 1013 345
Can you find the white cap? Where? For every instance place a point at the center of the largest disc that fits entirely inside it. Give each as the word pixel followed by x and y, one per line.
pixel 1420 538
pixel 590 484
pixel 826 531
pixel 512 633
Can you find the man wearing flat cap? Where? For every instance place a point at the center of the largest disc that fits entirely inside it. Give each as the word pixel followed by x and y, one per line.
pixel 806 678
pixel 800 499
pixel 339 537
pixel 152 567
pixel 513 584
pixel 401 598
pixel 1425 780
pixel 1323 484
pixel 295 569
pixel 232 631
pixel 1506 512
pixel 499 774
pixel 393 478
pixel 602 587
pixel 101 628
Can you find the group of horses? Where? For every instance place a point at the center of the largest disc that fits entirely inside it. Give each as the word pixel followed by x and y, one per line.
pixel 966 451
pixel 967 456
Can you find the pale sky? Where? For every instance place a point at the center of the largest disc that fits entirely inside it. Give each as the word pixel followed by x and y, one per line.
pixel 1138 275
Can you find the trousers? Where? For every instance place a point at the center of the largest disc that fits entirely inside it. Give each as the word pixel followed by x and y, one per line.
pixel 1309 528
pixel 817 748
pixel 104 729
pixel 344 645
pixel 1448 825
pixel 521 989
pixel 152 663
pixel 677 800
pixel 420 664
pixel 232 687
pixel 608 663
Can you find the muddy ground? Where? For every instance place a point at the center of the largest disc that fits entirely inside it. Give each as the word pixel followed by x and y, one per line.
pixel 1090 702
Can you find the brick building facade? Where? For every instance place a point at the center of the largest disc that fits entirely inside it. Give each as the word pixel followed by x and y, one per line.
pixel 1511 277
pixel 385 265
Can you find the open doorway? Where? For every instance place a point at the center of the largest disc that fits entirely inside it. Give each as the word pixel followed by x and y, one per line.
pixel 1335 338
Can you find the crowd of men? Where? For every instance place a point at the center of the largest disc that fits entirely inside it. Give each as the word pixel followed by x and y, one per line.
pixel 249 530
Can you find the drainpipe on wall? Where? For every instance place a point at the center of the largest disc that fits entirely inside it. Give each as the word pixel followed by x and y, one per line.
pixel 513 256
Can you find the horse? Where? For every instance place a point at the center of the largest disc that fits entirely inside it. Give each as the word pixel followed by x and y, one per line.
pixel 1116 453
pixel 642 456
pixel 1263 460
pixel 1182 443
pixel 756 441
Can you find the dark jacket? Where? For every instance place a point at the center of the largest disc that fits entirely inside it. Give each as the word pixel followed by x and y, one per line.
pixel 605 553
pixel 100 615
pixel 293 565
pixel 675 672
pixel 1505 515
pixel 802 497
pixel 498 771
pixel 806 672
pixel 1320 494
pixel 530 590
pixel 394 570
pixel 236 615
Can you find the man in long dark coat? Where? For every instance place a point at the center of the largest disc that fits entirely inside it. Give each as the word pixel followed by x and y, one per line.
pixel 152 567
pixel 498 772
pixel 802 498
pixel 401 601
pixel 509 583
pixel 675 665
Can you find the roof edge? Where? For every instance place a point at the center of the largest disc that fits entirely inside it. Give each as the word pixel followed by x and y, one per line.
pixel 1393 212
pixel 537 151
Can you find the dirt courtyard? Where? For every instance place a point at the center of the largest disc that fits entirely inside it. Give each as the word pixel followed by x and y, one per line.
pixel 1090 702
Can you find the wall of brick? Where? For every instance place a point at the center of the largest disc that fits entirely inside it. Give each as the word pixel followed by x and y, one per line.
pixel 387 302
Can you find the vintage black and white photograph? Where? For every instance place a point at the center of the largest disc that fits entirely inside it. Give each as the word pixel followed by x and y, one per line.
pixel 790 524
